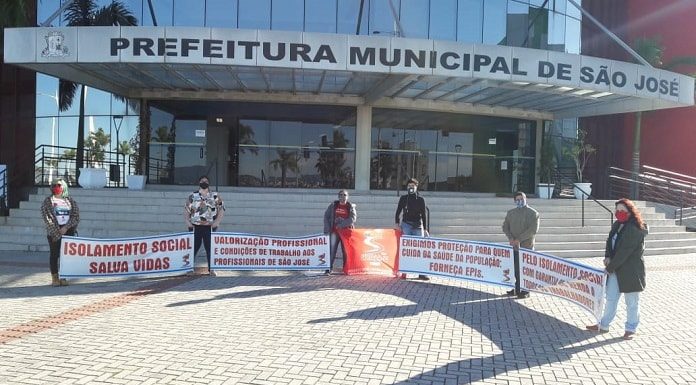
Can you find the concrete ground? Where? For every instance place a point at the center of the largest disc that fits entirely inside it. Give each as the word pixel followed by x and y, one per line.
pixel 290 328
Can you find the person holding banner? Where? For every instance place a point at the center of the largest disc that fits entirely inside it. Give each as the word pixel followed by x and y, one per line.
pixel 520 226
pixel 414 220
pixel 61 216
pixel 340 214
pixel 623 261
pixel 203 213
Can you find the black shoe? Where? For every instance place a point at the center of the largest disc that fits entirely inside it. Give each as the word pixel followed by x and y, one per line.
pixel 423 277
pixel 510 292
pixel 523 294
pixel 327 272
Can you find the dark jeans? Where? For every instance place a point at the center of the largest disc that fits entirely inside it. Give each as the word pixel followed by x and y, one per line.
pixel 54 247
pixel 201 233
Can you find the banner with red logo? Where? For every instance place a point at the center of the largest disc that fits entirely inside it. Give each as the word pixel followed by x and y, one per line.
pixel 578 283
pixel 168 254
pixel 370 251
pixel 238 251
pixel 476 261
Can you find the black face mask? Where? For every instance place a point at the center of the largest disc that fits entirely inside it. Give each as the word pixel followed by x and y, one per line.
pixel 204 185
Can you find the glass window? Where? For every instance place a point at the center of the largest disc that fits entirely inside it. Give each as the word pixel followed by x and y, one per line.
pixel 517 24
pixel 572 35
pixel 189 13
pixel 221 13
pixel 254 14
pixel 74 106
pixel 320 16
pixel 163 12
pixel 97 102
pixel 414 18
pixel 47 131
pixel 494 17
pixel 443 20
pixel 67 131
pixel 347 17
pixel 382 18
pixel 287 15
pixel 136 8
pixel 559 6
pixel 45 9
pixel 46 95
pixel 572 11
pixel 557 32
pixel 538 32
pixel 539 3
pixel 470 21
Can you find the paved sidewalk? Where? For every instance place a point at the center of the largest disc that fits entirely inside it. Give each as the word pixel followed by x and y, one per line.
pixel 287 328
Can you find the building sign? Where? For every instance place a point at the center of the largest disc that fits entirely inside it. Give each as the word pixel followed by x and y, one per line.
pixel 218 46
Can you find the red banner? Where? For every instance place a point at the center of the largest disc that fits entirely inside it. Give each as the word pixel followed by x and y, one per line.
pixel 370 251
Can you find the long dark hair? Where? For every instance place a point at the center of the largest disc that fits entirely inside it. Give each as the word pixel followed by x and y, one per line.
pixel 633 210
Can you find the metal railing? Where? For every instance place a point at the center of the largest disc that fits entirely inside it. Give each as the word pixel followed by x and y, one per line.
pixel 656 185
pixel 567 183
pixel 51 162
pixel 3 192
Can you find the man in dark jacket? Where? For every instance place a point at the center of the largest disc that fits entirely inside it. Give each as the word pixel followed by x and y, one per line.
pixel 340 214
pixel 414 220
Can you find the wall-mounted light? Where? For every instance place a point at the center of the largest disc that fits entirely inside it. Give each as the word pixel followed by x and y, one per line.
pixel 219 120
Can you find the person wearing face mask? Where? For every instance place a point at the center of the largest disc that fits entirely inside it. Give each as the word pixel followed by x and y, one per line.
pixel 414 220
pixel 203 213
pixel 61 216
pixel 340 214
pixel 520 226
pixel 623 261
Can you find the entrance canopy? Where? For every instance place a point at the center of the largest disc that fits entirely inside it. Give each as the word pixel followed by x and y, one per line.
pixel 301 67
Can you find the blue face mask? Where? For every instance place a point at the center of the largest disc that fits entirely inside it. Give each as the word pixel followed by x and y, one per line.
pixel 520 203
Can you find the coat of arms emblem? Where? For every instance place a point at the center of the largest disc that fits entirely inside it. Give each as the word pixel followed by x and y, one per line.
pixel 55 46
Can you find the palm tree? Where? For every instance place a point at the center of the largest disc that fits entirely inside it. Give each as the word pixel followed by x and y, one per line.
pixel 96 145
pixel 287 160
pixel 650 49
pixel 68 156
pixel 330 163
pixel 13 13
pixel 86 13
pixel 246 138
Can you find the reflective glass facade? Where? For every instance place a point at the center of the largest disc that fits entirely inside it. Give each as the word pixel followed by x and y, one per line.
pixel 446 162
pixel 451 152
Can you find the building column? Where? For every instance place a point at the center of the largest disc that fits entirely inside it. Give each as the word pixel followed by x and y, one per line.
pixel 537 151
pixel 363 132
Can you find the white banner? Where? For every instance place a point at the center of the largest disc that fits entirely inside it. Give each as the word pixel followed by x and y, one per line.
pixel 238 251
pixel 167 254
pixel 573 281
pixel 475 261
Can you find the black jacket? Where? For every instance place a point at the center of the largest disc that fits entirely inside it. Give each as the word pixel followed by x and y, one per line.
pixel 626 256
pixel 413 206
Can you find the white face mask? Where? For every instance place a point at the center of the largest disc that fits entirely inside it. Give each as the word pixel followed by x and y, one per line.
pixel 520 203
pixel 412 189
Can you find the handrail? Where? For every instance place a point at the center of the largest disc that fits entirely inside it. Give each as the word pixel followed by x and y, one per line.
pixel 669 172
pixel 657 185
pixel 3 195
pixel 584 194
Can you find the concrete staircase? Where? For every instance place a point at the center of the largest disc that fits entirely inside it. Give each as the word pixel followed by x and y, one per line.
pixel 116 213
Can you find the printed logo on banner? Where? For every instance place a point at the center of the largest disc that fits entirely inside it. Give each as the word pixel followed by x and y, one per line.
pixel 187 262
pixel 506 275
pixel 55 46
pixel 373 252
pixel 322 260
